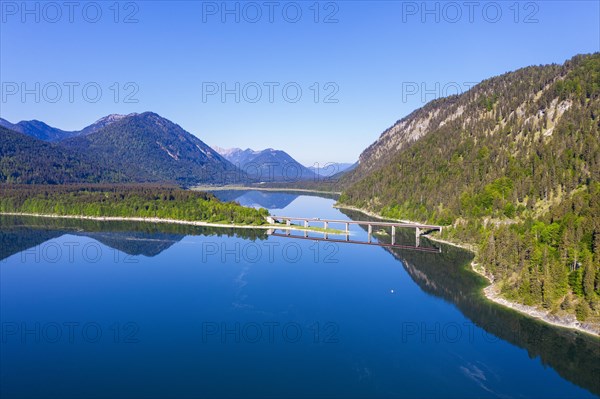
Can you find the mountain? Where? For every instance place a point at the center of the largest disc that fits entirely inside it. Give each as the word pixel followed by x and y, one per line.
pixel 101 123
pixel 513 166
pixel 537 125
pixel 38 130
pixel 24 159
pixel 332 169
pixel 151 148
pixel 237 156
pixel 42 131
pixel 267 165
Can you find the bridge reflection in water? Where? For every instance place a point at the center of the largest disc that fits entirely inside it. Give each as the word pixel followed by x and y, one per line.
pixel 420 229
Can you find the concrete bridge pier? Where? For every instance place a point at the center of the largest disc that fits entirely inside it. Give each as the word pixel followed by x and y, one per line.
pixel 419 228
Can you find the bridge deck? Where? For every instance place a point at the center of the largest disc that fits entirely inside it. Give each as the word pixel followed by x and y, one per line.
pixel 370 224
pixel 360 222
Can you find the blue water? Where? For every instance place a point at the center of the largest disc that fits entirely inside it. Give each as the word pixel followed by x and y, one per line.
pixel 221 316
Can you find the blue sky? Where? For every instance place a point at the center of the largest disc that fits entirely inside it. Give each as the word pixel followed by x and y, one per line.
pixel 360 66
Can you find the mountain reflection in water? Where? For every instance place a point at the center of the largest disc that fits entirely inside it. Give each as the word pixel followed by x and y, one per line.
pixel 573 354
pixel 19 233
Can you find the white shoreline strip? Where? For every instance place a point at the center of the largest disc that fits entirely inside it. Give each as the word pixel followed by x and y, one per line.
pixel 491 291
pixel 171 221
pixel 147 220
pixel 274 189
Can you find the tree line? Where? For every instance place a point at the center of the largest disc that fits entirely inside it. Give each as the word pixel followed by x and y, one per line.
pixel 145 201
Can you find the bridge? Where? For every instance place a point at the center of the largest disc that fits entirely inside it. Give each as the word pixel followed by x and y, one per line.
pixel 420 229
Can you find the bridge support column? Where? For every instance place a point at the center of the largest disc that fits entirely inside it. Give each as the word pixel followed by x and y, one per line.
pixel 306 224
pixel 417 235
pixel 393 235
pixel 369 233
pixel 347 228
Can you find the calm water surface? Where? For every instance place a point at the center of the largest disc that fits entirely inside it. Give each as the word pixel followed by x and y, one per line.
pixel 134 310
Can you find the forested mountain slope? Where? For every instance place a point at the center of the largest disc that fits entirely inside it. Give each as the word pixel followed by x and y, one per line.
pixel 38 130
pixel 514 166
pixel 153 149
pixel 27 160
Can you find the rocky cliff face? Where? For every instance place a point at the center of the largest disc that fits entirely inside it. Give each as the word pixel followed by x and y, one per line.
pixel 526 103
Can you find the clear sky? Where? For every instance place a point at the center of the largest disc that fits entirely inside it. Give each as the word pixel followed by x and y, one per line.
pixel 360 66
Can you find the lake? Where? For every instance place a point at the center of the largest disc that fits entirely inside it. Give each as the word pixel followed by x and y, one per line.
pixel 113 309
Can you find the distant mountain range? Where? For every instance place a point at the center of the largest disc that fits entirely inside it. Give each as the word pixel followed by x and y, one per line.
pixel 332 168
pixel 267 165
pixel 141 147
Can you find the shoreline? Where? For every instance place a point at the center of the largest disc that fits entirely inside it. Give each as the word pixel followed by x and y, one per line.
pixel 250 188
pixel 491 293
pixel 167 221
